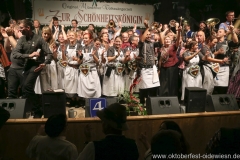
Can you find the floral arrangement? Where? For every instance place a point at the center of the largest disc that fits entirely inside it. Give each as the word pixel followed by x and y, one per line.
pixel 132 105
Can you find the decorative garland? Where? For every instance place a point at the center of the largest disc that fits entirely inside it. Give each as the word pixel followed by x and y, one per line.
pixel 97 28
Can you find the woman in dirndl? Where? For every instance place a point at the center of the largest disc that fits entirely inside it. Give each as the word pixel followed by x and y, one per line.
pixel 62 59
pixel 191 73
pixel 211 64
pixel 88 81
pixel 102 54
pixel 113 80
pixel 132 64
pixel 71 70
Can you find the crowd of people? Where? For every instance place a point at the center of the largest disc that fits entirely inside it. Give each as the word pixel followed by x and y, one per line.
pixel 164 58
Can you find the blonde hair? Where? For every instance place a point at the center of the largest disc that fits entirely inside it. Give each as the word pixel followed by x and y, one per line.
pixel 47 30
pixel 75 33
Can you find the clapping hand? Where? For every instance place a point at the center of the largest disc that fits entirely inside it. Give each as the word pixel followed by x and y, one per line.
pixel 94 52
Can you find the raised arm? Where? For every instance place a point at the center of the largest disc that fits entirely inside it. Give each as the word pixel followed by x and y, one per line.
pixel 234 35
pixel 64 33
pixel 178 37
pixel 119 31
pixel 188 58
pixel 51 24
pixel 145 32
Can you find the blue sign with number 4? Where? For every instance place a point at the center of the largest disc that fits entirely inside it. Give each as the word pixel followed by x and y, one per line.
pixel 97 104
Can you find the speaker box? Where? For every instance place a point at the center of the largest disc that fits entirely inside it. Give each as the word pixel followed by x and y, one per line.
pixel 53 103
pixel 109 101
pixel 16 107
pixel 162 105
pixel 221 102
pixel 195 99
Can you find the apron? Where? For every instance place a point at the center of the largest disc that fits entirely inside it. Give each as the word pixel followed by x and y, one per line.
pixel 88 81
pixel 190 79
pixel 60 71
pixel 71 74
pixel 132 65
pixel 113 85
pixel 222 77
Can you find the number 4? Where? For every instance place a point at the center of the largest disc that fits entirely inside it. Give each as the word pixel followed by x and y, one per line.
pixel 98 106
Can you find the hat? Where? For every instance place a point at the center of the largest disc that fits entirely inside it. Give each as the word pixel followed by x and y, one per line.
pixel 115 115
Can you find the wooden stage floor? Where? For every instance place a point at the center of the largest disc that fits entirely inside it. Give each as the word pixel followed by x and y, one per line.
pixel 197 128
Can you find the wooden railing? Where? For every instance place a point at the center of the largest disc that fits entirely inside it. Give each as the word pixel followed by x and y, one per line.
pixel 197 128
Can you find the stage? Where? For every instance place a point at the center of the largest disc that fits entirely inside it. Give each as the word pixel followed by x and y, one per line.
pixel 198 128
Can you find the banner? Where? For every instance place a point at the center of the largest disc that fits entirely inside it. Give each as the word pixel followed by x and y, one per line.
pixel 86 13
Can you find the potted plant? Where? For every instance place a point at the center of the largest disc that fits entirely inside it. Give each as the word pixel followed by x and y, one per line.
pixel 132 103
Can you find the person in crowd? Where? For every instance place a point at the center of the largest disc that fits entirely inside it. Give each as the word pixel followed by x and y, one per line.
pixel 204 27
pixel 165 27
pixel 61 59
pixel 87 31
pixel 210 64
pixel 91 27
pixel 47 80
pixel 131 68
pixel 168 66
pixel 88 81
pixel 113 80
pixel 2 74
pixel 112 28
pixel 188 32
pixel 80 36
pixel 166 126
pixel 230 19
pixel 50 141
pixel 115 145
pixel 222 78
pixel 149 76
pixel 4 116
pixel 57 32
pixel 191 73
pixel 74 25
pixel 234 87
pixel 54 25
pixel 102 54
pixel 37 30
pixel 166 142
pixel 12 23
pixel 34 55
pixel 104 30
pixel 125 40
pixel 225 141
pixel 15 76
pixel 71 52
pixel 105 40
pixel 130 32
